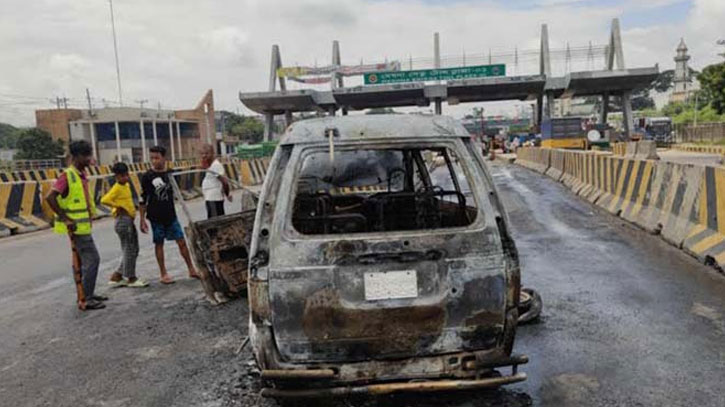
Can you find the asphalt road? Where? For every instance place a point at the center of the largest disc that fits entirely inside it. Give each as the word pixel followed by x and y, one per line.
pixel 627 321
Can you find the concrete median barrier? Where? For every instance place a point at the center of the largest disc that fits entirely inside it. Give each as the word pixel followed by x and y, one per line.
pixel 18 200
pixel 706 240
pixel 697 148
pixel 252 172
pixel 619 149
pixel 683 203
pixel 537 159
pixel 646 150
pixel 557 164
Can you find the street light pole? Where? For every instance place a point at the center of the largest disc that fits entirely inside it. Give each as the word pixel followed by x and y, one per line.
pixel 115 51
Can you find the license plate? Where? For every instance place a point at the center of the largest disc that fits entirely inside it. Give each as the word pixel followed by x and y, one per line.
pixel 388 285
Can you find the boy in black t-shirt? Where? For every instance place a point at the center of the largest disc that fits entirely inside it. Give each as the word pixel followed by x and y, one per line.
pixel 157 204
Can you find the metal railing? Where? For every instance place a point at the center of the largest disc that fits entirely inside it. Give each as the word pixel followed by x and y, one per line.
pixel 22 165
pixel 702 133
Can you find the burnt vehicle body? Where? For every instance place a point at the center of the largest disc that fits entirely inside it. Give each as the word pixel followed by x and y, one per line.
pixel 380 261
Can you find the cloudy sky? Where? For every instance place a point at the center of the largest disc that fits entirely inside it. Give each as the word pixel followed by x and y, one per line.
pixel 172 51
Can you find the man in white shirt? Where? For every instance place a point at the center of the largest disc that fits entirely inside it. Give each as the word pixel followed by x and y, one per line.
pixel 214 186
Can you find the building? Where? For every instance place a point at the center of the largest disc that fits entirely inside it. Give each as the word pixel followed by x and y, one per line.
pixel 683 82
pixel 126 133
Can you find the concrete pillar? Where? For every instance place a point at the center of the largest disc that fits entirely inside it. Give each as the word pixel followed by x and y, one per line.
pixel 337 80
pixel 549 107
pixel 627 117
pixel 118 141
pixel 178 138
pixel 94 144
pixel 223 148
pixel 437 50
pixel 539 110
pixel 544 55
pixel 268 124
pixel 274 64
pixel 171 141
pixel 615 51
pixel 288 118
pixel 438 106
pixel 144 158
pixel 605 109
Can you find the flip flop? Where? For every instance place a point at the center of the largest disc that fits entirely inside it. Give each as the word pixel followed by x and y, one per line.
pixel 138 284
pixel 116 284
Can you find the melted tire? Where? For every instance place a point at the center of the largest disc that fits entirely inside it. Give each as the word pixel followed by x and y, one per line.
pixel 530 310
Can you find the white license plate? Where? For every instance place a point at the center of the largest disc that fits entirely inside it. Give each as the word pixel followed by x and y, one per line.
pixel 387 285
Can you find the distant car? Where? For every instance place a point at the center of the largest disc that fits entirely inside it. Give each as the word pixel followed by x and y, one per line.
pixel 381 261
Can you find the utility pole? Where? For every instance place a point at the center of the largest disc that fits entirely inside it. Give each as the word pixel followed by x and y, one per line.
pixel 115 51
pixel 61 100
pixel 91 125
pixel 141 102
pixel 721 42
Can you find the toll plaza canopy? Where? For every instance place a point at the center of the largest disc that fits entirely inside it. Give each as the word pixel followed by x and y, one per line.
pixel 452 91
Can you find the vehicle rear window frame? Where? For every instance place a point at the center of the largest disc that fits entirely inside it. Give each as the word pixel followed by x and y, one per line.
pixel 302 151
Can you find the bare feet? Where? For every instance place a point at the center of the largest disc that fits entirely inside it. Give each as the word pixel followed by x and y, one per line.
pixel 165 279
pixel 195 275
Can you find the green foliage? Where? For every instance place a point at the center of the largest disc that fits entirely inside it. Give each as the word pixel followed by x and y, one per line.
pixel 8 136
pixel 37 144
pixel 712 81
pixel 247 128
pixel 704 115
pixel 672 109
pixel 650 112
pixel 642 101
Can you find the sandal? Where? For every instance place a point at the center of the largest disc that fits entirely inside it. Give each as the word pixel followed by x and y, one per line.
pixel 116 284
pixel 138 283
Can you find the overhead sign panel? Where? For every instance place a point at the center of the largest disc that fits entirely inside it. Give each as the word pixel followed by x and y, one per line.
pixel 445 74
pixel 344 70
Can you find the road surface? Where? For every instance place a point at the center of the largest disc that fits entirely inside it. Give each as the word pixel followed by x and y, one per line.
pixel 628 321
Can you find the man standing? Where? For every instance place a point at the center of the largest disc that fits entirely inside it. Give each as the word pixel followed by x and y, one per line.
pixel 215 185
pixel 157 204
pixel 74 209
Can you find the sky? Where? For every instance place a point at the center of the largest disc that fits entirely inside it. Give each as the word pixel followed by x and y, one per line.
pixel 172 51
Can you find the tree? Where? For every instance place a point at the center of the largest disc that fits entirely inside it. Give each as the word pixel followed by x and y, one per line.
pixel 37 144
pixel 712 82
pixel 642 101
pixel 8 136
pixel 246 128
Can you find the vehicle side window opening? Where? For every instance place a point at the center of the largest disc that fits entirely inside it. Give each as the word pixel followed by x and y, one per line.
pixel 381 190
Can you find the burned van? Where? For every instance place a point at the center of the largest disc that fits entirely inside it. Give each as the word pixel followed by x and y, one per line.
pixel 381 262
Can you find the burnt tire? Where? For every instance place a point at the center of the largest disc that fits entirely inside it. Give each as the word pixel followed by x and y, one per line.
pixel 530 306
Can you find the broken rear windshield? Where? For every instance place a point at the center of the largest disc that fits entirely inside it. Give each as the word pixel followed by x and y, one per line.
pixel 381 190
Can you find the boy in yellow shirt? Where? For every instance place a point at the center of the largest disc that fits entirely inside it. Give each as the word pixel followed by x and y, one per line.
pixel 120 200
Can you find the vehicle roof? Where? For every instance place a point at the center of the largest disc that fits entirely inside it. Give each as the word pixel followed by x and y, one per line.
pixel 374 127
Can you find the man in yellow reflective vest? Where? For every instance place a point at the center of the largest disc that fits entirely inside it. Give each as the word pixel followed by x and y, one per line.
pixel 74 208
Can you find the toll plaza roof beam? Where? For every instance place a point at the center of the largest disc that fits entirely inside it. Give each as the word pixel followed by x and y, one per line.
pixel 497 88
pixel 282 101
pixel 599 82
pixel 393 95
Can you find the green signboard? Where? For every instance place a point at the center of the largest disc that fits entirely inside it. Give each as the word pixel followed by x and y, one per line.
pixel 445 74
